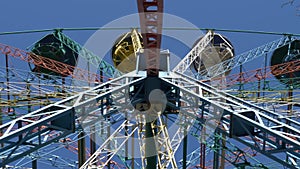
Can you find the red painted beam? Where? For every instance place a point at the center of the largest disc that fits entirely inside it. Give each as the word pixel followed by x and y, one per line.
pixel 151 14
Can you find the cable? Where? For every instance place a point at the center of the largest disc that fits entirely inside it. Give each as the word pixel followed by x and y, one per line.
pixel 61 29
pixel 237 31
pixel 166 28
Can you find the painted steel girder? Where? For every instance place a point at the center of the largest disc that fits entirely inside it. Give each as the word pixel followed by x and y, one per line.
pixel 184 123
pixel 161 140
pixel 203 94
pixel 186 62
pixel 48 153
pixel 268 132
pixel 58 119
pixel 259 74
pixel 110 147
pixel 95 60
pixel 234 154
pixel 243 58
pixel 29 132
pixel 51 153
pixel 135 40
pixel 241 101
pixel 266 118
pixel 50 64
pixel 29 90
pixel 151 17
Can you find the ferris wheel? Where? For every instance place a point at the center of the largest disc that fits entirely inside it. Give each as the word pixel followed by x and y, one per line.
pixel 208 111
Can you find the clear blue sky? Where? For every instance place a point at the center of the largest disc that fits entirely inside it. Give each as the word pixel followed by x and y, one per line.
pixel 235 14
pixel 263 15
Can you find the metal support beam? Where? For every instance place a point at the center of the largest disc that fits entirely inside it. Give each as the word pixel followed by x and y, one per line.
pixel 34 164
pixel 81 149
pixel 184 123
pixel 186 62
pixel 32 135
pixel 253 126
pixel 59 119
pixel 109 148
pixel 92 140
pixel 184 151
pixel 260 129
pixel 243 58
pixel 150 150
pixel 151 16
pixel 216 153
pixel 107 68
pixel 223 151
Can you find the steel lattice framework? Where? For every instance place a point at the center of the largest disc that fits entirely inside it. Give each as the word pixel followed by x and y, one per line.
pixel 270 133
pixel 229 64
pixel 151 14
pixel 274 135
pixel 121 111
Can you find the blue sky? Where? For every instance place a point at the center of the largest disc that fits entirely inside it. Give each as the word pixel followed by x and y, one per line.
pixel 265 15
